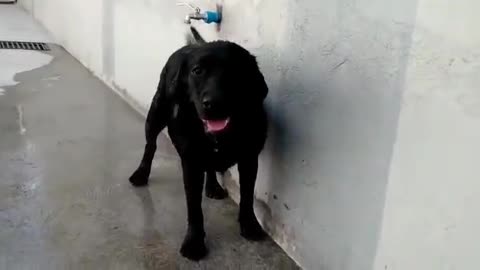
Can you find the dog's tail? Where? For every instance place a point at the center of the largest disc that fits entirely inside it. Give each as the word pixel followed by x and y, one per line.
pixel 195 37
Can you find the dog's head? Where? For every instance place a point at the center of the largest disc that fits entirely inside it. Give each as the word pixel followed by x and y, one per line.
pixel 224 83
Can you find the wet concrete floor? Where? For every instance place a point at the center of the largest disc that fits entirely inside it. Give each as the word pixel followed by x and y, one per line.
pixel 67 147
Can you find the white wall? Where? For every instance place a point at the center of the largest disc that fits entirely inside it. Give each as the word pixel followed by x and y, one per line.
pixel 374 108
pixel 432 212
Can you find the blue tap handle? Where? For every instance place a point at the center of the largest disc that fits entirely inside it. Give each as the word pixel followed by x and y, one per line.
pixel 211 16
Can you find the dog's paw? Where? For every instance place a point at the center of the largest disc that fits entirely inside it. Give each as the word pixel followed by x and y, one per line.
pixel 251 230
pixel 139 177
pixel 193 248
pixel 216 192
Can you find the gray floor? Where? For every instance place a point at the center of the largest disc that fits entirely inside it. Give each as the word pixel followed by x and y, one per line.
pixel 65 202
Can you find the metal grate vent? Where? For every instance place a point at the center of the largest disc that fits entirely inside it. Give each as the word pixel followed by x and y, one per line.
pixel 21 45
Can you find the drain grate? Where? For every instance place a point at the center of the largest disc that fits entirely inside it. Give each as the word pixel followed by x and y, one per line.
pixel 22 45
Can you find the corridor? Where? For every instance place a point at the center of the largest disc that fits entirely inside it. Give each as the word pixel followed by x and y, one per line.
pixel 67 147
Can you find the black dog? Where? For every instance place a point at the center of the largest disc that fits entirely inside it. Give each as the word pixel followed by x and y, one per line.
pixel 211 98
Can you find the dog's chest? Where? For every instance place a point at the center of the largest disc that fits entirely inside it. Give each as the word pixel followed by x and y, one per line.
pixel 219 145
pixel 222 151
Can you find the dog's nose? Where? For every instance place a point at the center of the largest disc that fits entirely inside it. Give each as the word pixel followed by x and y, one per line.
pixel 207 103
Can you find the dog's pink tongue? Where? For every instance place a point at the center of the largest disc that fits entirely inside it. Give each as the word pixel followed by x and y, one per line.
pixel 216 125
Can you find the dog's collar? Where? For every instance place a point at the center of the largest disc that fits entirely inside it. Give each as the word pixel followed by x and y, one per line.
pixel 214 140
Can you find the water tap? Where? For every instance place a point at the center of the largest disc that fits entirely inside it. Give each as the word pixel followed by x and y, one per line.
pixel 207 16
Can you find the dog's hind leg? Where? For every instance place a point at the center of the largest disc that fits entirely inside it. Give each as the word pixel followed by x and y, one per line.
pixel 157 119
pixel 153 127
pixel 213 189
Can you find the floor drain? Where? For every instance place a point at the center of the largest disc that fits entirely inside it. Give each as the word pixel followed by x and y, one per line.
pixel 22 45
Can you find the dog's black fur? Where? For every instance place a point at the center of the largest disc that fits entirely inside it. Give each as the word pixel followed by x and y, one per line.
pixel 202 82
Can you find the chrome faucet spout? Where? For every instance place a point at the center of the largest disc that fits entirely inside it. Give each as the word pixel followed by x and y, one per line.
pixel 208 16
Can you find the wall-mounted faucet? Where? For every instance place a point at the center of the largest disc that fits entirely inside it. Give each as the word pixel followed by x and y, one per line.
pixel 207 16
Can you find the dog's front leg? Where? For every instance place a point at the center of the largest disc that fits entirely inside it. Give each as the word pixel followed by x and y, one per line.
pixel 193 246
pixel 250 228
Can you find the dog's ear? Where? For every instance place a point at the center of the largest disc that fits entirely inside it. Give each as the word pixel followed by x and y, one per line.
pixel 258 84
pixel 170 86
pixel 176 79
pixel 162 101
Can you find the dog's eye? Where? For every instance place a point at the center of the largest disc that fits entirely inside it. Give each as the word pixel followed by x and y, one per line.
pixel 197 71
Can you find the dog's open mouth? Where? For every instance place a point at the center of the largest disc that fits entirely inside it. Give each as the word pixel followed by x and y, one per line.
pixel 213 126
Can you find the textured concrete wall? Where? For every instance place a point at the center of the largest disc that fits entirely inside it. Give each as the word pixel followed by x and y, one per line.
pixel 374 108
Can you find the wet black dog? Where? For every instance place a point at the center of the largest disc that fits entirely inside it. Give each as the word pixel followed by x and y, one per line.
pixel 211 98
